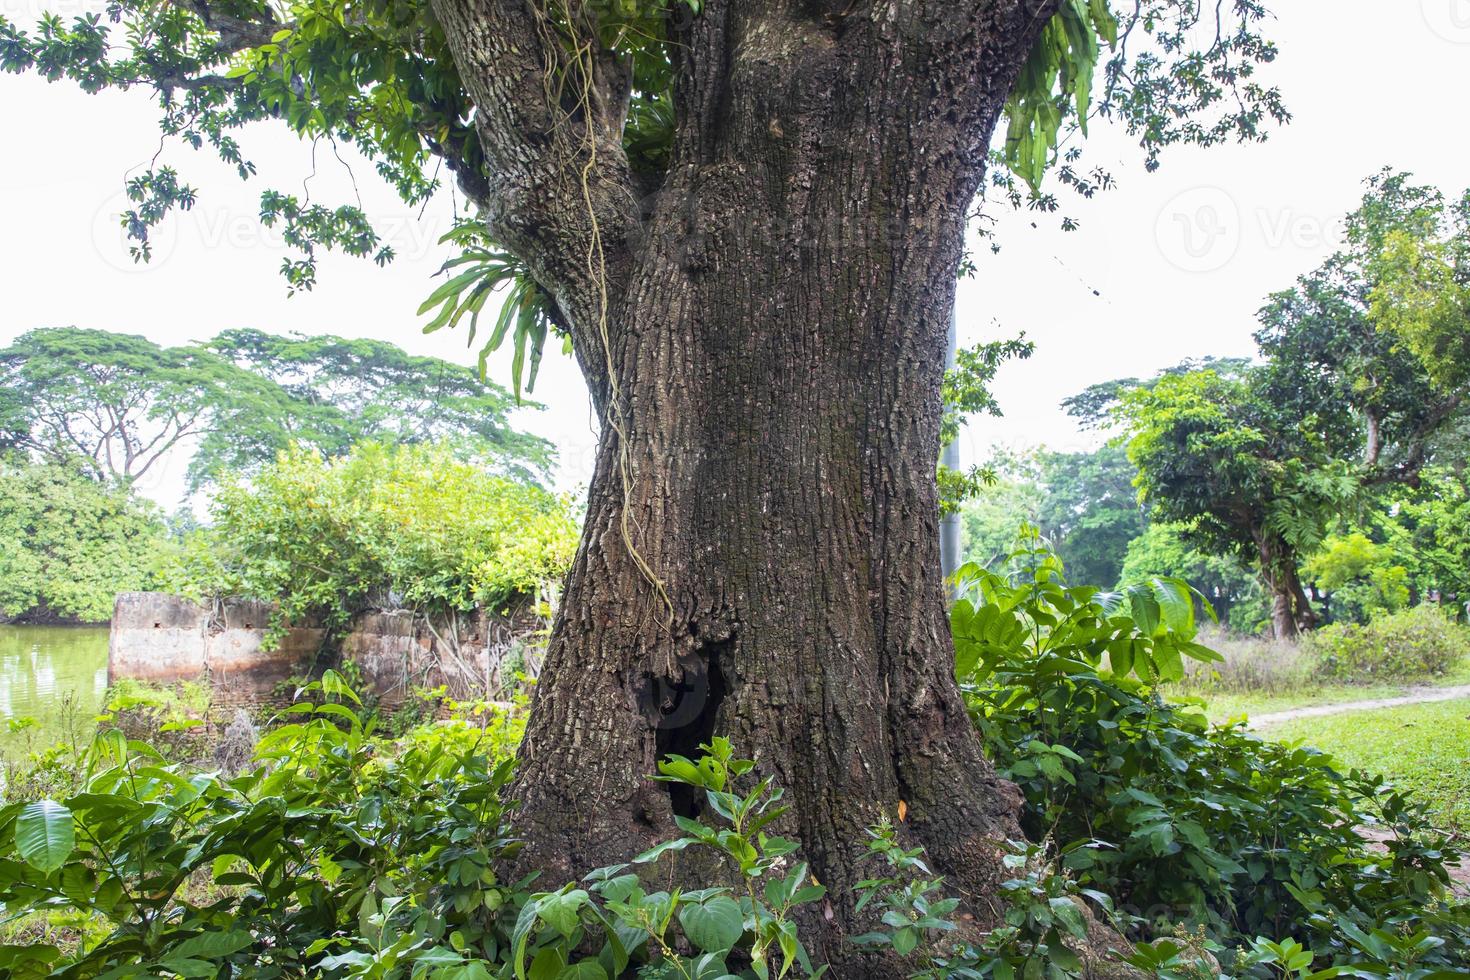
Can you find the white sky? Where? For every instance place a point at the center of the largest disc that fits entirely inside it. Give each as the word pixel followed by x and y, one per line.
pixel 1182 258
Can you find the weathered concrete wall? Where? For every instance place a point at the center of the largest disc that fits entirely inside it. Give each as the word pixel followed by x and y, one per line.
pixel 163 638
pixel 398 652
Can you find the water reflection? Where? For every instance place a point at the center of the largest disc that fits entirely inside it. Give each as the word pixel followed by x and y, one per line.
pixel 56 675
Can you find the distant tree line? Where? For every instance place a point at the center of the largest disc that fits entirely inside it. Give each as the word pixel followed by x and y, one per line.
pixel 86 414
pixel 120 403
pixel 1324 479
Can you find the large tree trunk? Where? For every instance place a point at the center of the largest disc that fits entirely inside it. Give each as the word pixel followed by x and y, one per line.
pixel 760 558
pixel 1291 609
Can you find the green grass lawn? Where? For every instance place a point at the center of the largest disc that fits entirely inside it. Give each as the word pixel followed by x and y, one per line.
pixel 1423 747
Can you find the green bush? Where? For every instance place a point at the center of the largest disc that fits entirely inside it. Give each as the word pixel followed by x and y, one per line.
pixel 406 525
pixel 1416 643
pixel 342 854
pixel 69 543
pixel 329 844
pixel 1175 819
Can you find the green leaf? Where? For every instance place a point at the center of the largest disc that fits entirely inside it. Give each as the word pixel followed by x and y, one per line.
pixel 44 835
pixel 715 925
pixel 211 945
pixel 560 911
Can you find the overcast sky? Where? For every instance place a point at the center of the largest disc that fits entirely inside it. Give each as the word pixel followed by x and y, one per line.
pixel 1180 259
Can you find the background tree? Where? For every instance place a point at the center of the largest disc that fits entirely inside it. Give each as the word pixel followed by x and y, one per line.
pixel 1244 478
pixel 1011 496
pixel 1358 578
pixel 1090 510
pixel 117 401
pixel 1083 503
pixel 1343 362
pixel 1266 459
pixel 69 542
pixel 345 391
pixel 748 218
pixel 1426 529
pixel 124 403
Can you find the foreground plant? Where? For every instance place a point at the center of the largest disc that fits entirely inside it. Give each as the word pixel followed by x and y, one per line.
pixel 1177 820
pixel 703 933
pixel 324 856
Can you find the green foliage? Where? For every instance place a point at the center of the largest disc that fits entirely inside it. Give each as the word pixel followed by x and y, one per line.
pixel 340 391
pixel 1214 457
pixel 1363 578
pixel 1044 928
pixel 526 313
pixel 411 525
pixel 1064 58
pixel 1238 476
pixel 1337 356
pixel 1411 644
pixel 1090 512
pixel 989 518
pixel 118 401
pixel 1176 820
pixel 321 858
pixel 1428 531
pixel 966 388
pixel 123 403
pixel 69 543
pixel 1232 588
pixel 1262 461
pixel 338 854
pixel 1421 283
pixel 966 392
pixel 1084 503
pixel 701 933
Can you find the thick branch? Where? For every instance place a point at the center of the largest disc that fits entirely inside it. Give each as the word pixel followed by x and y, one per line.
pixel 558 194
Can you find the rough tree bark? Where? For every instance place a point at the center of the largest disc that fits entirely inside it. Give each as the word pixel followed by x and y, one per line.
pixel 764 331
pixel 1291 609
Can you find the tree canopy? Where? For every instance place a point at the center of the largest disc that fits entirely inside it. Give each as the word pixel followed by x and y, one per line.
pixel 1263 460
pixel 118 401
pixel 69 543
pixel 343 391
pixel 122 402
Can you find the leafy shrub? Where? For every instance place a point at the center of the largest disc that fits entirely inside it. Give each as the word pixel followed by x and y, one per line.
pixel 1363 578
pixel 1418 642
pixel 1044 929
pixel 325 847
pixel 409 525
pixel 334 858
pixel 1179 821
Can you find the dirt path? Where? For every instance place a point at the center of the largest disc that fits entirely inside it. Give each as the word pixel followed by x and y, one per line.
pixel 1418 695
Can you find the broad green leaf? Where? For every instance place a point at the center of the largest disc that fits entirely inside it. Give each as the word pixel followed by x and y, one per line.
pixel 45 835
pixel 715 925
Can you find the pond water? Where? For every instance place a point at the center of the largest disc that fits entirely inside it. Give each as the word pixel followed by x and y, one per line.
pixel 56 675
